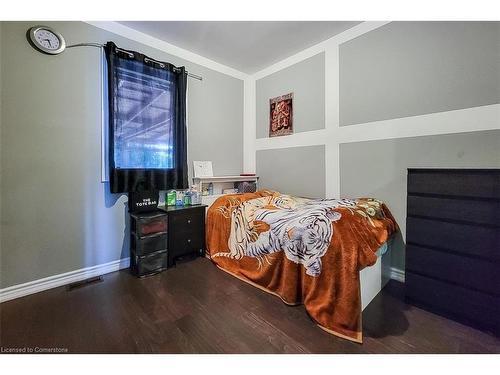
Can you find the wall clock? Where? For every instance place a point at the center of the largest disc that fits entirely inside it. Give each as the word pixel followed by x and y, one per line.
pixel 46 40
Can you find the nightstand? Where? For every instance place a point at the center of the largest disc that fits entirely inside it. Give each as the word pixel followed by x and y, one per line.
pixel 186 231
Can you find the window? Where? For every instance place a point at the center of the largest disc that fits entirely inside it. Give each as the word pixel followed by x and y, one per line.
pixel 147 129
pixel 143 136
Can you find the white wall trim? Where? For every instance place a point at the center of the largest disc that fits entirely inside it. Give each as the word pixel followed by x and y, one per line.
pixel 481 118
pixel 450 122
pixel 55 281
pixel 132 34
pixel 397 274
pixel 332 170
pixel 329 136
pixel 334 41
pixel 310 138
pixel 249 125
pixel 332 118
pixel 465 120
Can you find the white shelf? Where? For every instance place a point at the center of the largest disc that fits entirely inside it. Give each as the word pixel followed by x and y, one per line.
pixel 226 178
pixel 213 196
pixel 219 184
pixel 209 199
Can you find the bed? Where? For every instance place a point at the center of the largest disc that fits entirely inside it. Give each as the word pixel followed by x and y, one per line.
pixel 305 251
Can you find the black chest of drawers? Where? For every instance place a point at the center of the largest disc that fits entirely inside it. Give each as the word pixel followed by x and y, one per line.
pixel 453 244
pixel 158 238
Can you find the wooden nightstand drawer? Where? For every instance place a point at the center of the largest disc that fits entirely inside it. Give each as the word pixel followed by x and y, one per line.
pixel 189 220
pixel 186 241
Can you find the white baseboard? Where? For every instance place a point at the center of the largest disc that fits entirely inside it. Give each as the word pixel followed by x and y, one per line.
pixel 397 274
pixel 50 282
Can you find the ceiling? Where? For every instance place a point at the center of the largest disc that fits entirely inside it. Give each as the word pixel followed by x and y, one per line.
pixel 247 46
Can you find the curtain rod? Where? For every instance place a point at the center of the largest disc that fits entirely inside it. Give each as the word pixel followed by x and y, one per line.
pixel 199 78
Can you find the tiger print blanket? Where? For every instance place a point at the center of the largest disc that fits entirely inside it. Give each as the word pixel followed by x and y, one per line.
pixel 306 251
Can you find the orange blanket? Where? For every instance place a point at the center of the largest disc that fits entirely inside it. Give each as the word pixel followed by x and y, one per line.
pixel 306 251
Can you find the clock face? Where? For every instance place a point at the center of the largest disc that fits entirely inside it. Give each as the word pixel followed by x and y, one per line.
pixel 47 40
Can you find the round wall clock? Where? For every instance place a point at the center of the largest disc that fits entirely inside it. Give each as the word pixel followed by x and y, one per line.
pixel 46 40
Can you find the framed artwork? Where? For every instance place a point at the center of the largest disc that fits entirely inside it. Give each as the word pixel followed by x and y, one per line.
pixel 281 115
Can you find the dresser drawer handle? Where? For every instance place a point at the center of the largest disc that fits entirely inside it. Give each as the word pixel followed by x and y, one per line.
pixel 189 221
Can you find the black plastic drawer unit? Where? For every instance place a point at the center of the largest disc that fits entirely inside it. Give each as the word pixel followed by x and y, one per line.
pixel 161 237
pixel 149 264
pixel 149 244
pixel 147 224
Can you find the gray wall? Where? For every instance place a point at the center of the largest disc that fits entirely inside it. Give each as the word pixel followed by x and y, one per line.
pixel 378 168
pixel 306 80
pixel 56 214
pixel 296 170
pixel 401 69
pixel 413 68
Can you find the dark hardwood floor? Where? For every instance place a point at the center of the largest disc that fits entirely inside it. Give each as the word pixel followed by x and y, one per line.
pixel 196 308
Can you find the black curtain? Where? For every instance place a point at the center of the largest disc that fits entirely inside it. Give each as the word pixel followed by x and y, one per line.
pixel 147 122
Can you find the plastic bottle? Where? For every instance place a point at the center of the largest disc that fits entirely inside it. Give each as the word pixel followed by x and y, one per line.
pixel 171 198
pixel 187 198
pixel 195 195
pixel 180 198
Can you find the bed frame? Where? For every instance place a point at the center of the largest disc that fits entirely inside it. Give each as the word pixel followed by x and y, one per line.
pixel 374 278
